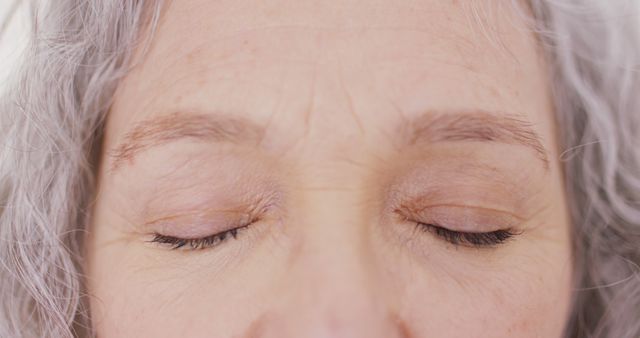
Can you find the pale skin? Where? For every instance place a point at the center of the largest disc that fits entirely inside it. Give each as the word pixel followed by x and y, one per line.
pixel 332 169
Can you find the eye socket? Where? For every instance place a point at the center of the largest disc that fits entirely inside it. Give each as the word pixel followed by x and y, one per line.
pixel 175 243
pixel 229 224
pixel 232 231
pixel 470 239
pixel 462 225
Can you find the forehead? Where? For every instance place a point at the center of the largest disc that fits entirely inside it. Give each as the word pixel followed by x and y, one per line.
pixel 343 61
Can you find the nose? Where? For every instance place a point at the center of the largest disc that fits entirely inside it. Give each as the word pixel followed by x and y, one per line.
pixel 325 323
pixel 330 306
pixel 334 288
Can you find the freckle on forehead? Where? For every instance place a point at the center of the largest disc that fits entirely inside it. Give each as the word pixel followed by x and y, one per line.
pixel 191 56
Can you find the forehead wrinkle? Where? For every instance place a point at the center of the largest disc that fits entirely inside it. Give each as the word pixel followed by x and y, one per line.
pixel 164 129
pixel 480 126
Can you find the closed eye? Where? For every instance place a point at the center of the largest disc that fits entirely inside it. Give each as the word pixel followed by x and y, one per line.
pixel 470 239
pixel 175 243
pixel 252 214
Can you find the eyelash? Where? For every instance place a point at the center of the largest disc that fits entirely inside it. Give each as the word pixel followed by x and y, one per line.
pixel 458 238
pixel 470 239
pixel 175 243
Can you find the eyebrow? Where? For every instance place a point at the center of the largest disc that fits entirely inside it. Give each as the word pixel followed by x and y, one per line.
pixel 165 129
pixel 481 126
pixel 430 127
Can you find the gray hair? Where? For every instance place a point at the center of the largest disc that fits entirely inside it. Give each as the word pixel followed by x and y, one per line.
pixel 52 118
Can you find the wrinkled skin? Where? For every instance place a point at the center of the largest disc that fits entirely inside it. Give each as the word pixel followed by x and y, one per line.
pixel 295 121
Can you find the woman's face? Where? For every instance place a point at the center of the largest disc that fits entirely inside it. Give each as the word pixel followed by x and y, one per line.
pixel 332 169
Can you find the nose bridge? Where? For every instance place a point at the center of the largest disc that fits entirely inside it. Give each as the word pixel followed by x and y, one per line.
pixel 333 288
pixel 334 241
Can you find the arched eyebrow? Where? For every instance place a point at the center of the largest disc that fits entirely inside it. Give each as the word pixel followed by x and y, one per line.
pixel 205 127
pixel 430 127
pixel 479 126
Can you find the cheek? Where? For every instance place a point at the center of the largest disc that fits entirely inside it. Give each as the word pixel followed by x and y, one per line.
pixel 165 301
pixel 525 301
pixel 141 292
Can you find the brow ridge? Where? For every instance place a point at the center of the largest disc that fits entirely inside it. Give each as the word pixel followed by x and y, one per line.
pixel 431 127
pixel 207 127
pixel 480 126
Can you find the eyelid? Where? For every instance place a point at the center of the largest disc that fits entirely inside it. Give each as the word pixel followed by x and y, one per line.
pixel 214 240
pixel 198 224
pixel 462 225
pixel 470 219
pixel 202 222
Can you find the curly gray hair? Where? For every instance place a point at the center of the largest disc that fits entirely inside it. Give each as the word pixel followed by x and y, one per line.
pixel 51 124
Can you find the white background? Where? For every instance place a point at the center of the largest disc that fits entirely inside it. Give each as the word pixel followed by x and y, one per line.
pixel 13 40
